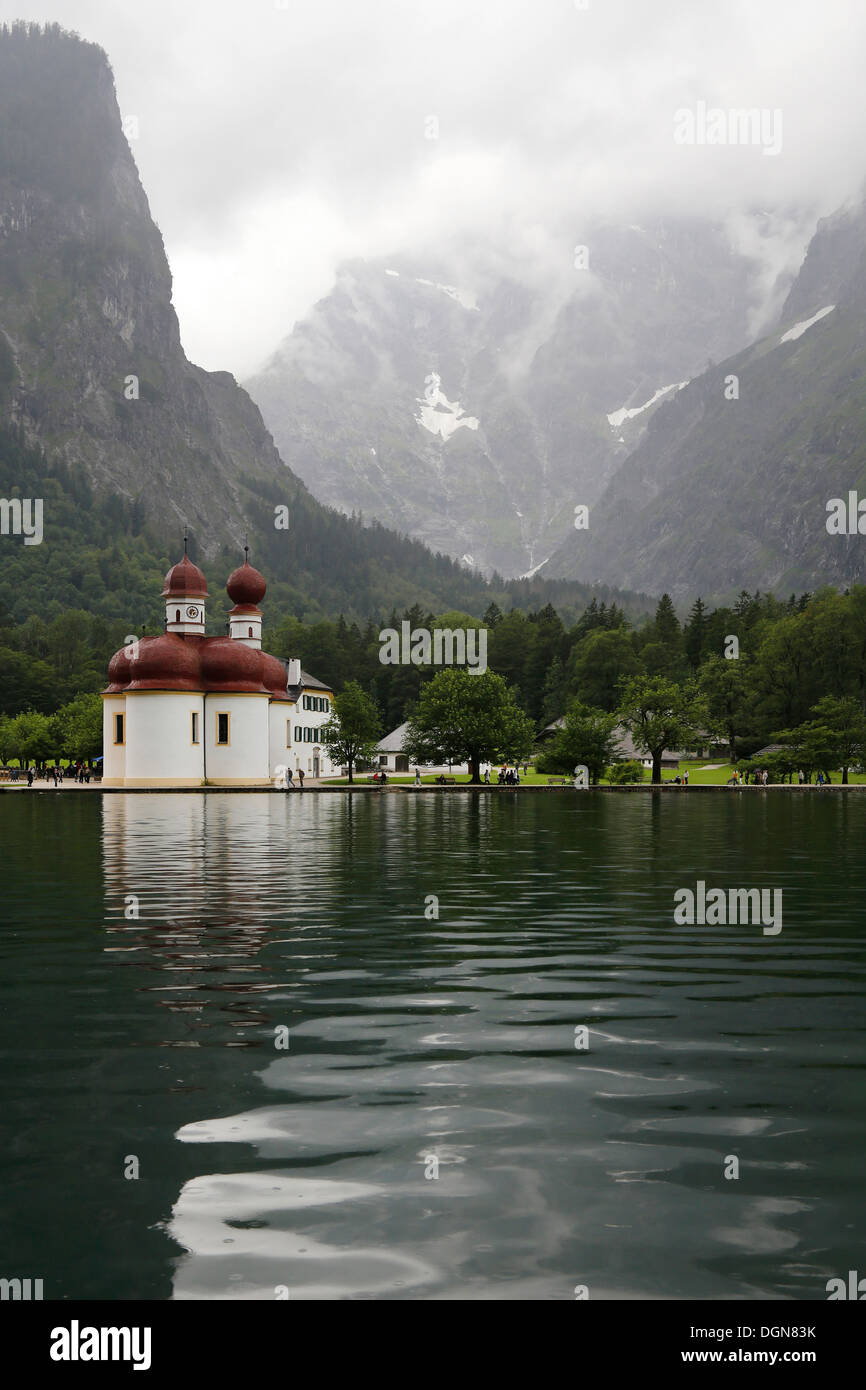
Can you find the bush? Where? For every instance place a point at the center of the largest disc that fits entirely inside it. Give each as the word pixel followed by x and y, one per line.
pixel 621 774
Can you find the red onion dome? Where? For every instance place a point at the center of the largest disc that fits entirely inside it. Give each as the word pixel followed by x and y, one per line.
pixel 246 587
pixel 168 662
pixel 229 665
pixel 185 580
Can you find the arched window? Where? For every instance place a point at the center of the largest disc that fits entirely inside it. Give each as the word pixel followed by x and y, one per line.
pixel 177 615
pixel 251 632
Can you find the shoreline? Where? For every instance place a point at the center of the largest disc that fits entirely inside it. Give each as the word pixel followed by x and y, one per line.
pixel 409 788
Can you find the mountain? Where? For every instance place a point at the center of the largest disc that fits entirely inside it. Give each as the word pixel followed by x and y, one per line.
pixel 729 488
pixel 477 418
pixel 85 306
pixel 101 410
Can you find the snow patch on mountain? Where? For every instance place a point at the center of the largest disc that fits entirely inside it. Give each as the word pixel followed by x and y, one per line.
pixel 800 328
pixel 617 418
pixel 438 414
pixel 464 297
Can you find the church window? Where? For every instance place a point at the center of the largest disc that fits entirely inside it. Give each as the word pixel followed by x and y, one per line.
pixel 288 733
pixel 194 723
pixel 177 615
pixel 251 632
pixel 222 728
pixel 118 728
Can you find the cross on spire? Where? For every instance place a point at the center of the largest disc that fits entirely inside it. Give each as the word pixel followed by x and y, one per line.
pixel 185 540
pixel 246 549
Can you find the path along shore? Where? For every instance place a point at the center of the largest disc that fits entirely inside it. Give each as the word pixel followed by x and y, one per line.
pixel 409 789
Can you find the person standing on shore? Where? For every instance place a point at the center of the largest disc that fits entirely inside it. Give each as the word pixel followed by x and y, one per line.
pixel 300 779
pixel 417 777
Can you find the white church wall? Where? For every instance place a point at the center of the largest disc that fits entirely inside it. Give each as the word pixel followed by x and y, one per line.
pixel 280 713
pixel 245 758
pixel 159 746
pixel 113 754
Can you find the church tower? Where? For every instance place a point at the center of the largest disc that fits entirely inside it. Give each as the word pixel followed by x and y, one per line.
pixel 246 588
pixel 185 592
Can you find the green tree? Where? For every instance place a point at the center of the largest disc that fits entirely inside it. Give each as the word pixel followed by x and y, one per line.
pixel 585 738
pixel 492 614
pixel 79 727
pixel 7 742
pixel 659 714
pixel 508 647
pixel 663 651
pixel 547 645
pixel 354 728
pixel 726 688
pixel 783 666
pixel 33 736
pixel 695 633
pixel 555 691
pixel 461 717
pixel 835 738
pixel 599 663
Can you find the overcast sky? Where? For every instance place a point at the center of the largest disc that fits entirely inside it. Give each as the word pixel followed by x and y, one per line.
pixel 279 137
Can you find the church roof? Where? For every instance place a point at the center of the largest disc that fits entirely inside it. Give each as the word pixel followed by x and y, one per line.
pixel 185 580
pixel 246 587
pixel 190 661
pixel 183 662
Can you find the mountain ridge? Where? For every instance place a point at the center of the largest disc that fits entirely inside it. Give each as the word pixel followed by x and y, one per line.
pixel 93 373
pixel 729 491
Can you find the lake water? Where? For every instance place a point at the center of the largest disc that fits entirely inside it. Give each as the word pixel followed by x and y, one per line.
pixel 151 1043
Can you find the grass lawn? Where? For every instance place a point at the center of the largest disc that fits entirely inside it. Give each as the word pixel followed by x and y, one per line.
pixel 702 772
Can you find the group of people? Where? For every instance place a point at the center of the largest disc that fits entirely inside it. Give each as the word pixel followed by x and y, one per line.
pixel 75 772
pixel 507 776
pixel 757 778
pixel 290 780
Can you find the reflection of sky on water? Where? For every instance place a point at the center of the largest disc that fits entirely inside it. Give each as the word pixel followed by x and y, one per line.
pixel 237 1230
pixel 454 1038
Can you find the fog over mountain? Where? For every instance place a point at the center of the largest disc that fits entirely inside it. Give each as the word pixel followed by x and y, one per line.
pixel 278 140
pixel 465 258
pixel 478 421
pixel 731 484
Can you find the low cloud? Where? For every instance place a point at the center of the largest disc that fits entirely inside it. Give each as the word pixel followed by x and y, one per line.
pixel 276 142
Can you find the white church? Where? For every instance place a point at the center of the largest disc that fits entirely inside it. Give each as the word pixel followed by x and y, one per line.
pixel 185 710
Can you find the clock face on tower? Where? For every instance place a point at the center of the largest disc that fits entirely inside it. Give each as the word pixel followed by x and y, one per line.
pixel 192 613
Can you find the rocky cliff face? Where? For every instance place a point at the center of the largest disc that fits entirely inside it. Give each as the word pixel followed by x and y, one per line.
pixel 477 419
pixel 92 365
pixel 93 373
pixel 729 488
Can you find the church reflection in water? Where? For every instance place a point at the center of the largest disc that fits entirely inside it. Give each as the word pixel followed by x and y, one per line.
pixel 222 906
pixel 186 900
